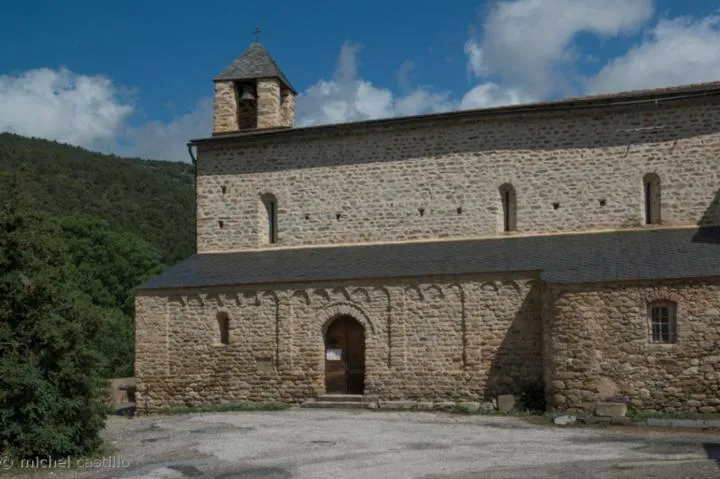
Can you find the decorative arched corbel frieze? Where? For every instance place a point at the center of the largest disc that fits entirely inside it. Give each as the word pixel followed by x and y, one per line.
pixel 433 291
pixel 360 295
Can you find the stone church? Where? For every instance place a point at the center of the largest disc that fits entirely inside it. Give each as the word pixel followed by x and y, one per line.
pixel 571 245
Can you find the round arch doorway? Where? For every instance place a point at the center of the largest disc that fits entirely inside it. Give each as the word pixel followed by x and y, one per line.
pixel 345 356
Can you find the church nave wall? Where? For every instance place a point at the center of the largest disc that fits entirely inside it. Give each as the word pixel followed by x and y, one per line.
pixel 431 340
pixel 570 171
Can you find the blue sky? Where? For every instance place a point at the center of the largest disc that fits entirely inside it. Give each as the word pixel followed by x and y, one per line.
pixel 134 77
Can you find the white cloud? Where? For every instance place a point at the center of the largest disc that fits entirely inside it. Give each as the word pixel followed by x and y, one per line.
pixel 423 100
pixel 487 95
pixel 475 63
pixel 524 47
pixel 92 112
pixel 168 141
pixel 349 98
pixel 57 104
pixel 526 42
pixel 676 51
pixel 403 75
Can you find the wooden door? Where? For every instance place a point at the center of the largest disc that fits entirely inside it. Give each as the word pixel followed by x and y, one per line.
pixel 345 357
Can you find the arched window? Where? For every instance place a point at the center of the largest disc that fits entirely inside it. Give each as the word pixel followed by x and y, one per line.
pixel 270 220
pixel 651 185
pixel 224 327
pixel 663 321
pixel 509 207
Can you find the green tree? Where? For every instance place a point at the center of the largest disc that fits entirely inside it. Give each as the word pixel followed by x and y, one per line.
pixel 109 266
pixel 49 377
pixel 154 200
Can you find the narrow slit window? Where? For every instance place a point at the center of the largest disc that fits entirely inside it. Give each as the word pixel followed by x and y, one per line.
pixel 663 323
pixel 651 185
pixel 509 207
pixel 270 220
pixel 224 327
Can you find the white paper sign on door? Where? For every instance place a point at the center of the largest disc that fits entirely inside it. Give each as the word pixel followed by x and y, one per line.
pixel 333 354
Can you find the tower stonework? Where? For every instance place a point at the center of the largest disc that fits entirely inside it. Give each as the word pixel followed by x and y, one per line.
pixel 252 93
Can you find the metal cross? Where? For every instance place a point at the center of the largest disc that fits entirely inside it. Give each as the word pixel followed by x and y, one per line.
pixel 257 33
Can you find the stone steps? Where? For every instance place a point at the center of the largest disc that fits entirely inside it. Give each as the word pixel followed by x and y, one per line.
pixel 341 398
pixel 338 401
pixel 334 404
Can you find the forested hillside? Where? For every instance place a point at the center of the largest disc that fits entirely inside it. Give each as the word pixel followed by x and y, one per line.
pixel 79 231
pixel 151 199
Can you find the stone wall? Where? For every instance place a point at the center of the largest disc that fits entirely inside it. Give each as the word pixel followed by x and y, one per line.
pixel 225 115
pixel 433 340
pixel 268 103
pixel 287 108
pixel 572 170
pixel 598 343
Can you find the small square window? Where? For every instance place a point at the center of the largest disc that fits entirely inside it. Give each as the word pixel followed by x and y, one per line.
pixel 663 323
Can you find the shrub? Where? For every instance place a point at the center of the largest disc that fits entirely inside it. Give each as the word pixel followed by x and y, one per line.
pixel 49 382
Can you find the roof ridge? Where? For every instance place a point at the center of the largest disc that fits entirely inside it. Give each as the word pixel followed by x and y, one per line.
pixel 610 100
pixel 255 62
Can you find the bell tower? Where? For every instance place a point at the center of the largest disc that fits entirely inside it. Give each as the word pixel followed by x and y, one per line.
pixel 252 94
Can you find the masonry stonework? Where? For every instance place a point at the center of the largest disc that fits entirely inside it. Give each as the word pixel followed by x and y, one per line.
pixel 432 339
pixel 268 103
pixel 572 171
pixel 287 107
pixel 225 117
pixel 447 321
pixel 597 343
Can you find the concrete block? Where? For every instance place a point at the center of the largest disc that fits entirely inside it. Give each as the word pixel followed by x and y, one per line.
pixel 714 424
pixel 506 403
pixel 122 390
pixel 564 420
pixel 610 409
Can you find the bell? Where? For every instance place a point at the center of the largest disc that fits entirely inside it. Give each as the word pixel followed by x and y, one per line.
pixel 247 95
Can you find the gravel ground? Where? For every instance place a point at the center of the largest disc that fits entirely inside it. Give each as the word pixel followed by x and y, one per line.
pixel 317 444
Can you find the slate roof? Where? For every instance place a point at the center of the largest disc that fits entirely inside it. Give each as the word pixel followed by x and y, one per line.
pixel 699 91
pixel 255 63
pixel 572 258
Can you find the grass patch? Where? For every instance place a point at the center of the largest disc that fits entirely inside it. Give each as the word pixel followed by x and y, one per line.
pixel 639 415
pixel 458 409
pixel 232 407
